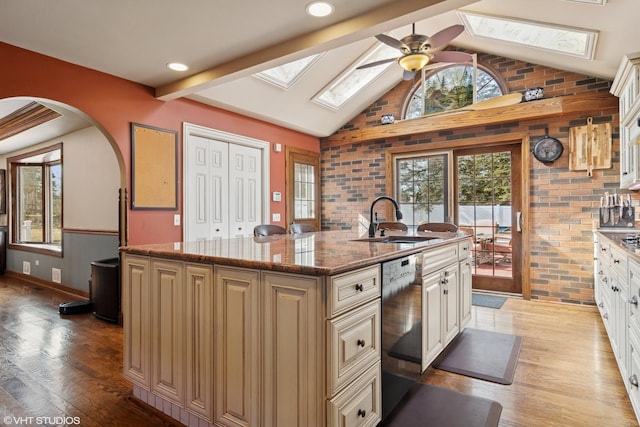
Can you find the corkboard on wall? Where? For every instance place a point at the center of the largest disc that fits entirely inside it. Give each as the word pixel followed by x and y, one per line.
pixel 154 167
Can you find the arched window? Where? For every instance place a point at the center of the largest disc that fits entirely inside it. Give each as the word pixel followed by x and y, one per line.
pixel 451 88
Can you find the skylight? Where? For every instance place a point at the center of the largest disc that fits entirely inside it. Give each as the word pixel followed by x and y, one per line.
pixel 565 40
pixel 286 75
pixel 351 81
pixel 598 2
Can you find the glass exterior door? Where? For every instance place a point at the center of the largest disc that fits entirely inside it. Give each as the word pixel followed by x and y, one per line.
pixel 487 203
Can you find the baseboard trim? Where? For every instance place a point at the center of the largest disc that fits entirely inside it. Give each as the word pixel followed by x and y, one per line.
pixel 73 292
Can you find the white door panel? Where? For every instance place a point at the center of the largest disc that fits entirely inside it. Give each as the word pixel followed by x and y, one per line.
pixel 223 188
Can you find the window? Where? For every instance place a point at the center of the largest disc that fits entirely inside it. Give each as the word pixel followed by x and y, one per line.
pixel 352 80
pixel 304 191
pixel 451 88
pixel 552 38
pixel 36 213
pixel 421 187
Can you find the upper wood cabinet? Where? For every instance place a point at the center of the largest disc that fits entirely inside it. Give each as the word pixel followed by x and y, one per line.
pixel 626 86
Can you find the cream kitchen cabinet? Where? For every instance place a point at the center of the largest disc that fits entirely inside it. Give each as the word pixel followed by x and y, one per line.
pixel 293 352
pixel 440 300
pixel 199 340
pixel 617 293
pixel 136 303
pixel 354 348
pixel 167 332
pixel 236 350
pixel 466 276
pixel 633 374
pixel 233 342
pixel 626 86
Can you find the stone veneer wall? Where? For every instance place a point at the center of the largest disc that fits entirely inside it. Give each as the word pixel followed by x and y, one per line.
pixel 563 203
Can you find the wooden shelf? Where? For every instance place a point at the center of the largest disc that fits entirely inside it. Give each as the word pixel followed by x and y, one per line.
pixel 558 106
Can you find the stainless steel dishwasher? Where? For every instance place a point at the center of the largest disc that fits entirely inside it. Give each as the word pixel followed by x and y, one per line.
pixel 401 328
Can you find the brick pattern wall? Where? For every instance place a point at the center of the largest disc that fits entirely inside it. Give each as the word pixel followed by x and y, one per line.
pixel 563 203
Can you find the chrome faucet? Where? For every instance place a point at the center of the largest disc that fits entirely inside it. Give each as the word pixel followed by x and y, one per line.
pixel 372 223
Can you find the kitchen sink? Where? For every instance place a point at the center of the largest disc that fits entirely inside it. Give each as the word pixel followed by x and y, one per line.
pixel 398 239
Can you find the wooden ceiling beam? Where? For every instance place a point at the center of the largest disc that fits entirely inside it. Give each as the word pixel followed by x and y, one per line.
pixel 547 107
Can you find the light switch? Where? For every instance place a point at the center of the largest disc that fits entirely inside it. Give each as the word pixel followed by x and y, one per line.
pixel 176 220
pixel 277 196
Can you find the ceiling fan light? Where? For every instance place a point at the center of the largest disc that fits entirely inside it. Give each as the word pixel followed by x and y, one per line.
pixel 414 61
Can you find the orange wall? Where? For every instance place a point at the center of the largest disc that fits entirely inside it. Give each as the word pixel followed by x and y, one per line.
pixel 114 103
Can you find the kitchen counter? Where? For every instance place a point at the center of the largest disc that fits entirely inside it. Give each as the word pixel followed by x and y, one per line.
pixel 620 238
pixel 319 253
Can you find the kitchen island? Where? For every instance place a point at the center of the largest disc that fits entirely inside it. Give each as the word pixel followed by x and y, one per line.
pixel 279 330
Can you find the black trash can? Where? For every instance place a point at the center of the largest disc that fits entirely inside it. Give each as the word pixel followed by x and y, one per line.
pixel 104 288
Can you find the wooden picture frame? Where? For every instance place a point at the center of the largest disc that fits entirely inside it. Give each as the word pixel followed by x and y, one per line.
pixel 3 191
pixel 154 168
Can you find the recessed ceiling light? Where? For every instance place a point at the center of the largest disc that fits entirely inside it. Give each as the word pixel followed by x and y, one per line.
pixel 176 66
pixel 319 8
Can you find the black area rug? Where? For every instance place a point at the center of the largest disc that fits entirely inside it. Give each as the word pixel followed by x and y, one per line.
pixel 490 356
pixel 430 406
pixel 483 300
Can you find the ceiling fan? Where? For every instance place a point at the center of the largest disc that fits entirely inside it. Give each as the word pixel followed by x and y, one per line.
pixel 419 50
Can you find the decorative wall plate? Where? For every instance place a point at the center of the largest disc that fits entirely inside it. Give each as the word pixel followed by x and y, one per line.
pixel 548 150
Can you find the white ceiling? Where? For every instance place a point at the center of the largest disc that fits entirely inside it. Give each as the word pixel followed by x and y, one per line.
pixel 224 42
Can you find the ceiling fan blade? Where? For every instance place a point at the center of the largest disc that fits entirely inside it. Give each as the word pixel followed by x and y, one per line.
pixel 452 56
pixel 375 63
pixel 442 38
pixel 408 75
pixel 390 41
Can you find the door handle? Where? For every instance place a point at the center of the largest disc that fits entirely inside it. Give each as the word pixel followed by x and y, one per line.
pixel 519 218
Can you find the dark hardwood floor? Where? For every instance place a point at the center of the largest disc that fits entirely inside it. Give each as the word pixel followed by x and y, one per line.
pixel 71 366
pixel 62 366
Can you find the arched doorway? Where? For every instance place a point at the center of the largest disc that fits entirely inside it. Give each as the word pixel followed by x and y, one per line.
pixel 74 215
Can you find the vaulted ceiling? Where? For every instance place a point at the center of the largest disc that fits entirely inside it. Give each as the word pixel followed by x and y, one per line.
pixel 226 43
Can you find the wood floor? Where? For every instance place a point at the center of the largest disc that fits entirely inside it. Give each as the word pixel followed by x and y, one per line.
pixel 71 366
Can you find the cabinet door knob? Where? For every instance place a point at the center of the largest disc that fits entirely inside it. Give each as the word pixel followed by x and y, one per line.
pixel 633 379
pixel 362 413
pixel 359 287
pixel 446 291
pixel 633 300
pixel 616 261
pixel 601 305
pixel 605 316
pixel 360 343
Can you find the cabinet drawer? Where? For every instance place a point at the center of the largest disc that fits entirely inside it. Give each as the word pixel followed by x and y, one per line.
pixel 435 259
pixel 619 262
pixel 351 289
pixel 464 249
pixel 354 344
pixel 360 404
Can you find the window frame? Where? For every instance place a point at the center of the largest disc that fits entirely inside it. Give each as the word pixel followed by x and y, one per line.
pixel 448 176
pixel 24 159
pixel 430 73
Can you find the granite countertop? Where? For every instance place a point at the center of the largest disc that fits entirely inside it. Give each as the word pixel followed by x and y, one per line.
pixel 319 253
pixel 619 236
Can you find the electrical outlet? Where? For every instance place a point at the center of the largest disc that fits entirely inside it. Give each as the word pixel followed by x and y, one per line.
pixel 56 275
pixel 176 220
pixel 276 217
pixel 26 267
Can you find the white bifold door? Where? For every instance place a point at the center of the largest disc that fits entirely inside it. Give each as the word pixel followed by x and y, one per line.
pixel 224 192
